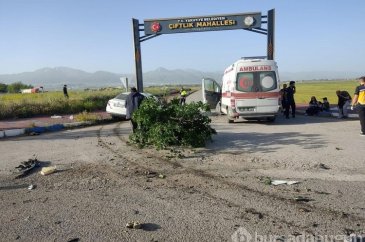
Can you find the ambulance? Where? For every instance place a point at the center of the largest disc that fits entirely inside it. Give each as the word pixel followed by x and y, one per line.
pixel 249 90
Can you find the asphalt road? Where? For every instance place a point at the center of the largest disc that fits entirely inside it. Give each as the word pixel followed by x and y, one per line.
pixel 208 194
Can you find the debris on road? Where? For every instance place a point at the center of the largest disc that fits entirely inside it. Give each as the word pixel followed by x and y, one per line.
pixel 302 199
pixel 281 182
pixel 134 225
pixel 33 133
pixel 137 225
pixel 26 166
pixel 323 166
pixel 162 176
pixel 267 181
pixel 254 212
pixel 48 170
pixel 73 240
pixel 151 174
pixel 31 187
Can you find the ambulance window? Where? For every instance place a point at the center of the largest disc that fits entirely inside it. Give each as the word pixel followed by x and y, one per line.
pixel 211 86
pixel 245 82
pixel 267 81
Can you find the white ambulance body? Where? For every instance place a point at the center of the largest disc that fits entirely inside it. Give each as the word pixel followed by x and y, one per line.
pixel 250 90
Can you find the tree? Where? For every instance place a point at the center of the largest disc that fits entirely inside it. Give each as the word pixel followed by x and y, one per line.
pixel 17 86
pixel 3 88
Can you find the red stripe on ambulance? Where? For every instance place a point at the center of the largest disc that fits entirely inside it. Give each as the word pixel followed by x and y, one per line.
pixel 251 95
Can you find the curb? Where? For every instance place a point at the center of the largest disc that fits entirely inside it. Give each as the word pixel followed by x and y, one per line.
pixel 13 132
pixel 44 129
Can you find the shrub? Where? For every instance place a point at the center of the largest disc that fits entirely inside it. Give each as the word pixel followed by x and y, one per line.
pixel 17 86
pixel 163 125
pixel 85 116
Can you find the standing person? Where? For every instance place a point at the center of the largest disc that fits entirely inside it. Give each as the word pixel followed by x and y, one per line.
pixel 183 95
pixel 283 97
pixel 359 101
pixel 290 102
pixel 344 100
pixel 65 93
pixel 132 103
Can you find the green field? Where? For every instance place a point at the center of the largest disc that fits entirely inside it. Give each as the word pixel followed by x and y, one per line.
pixel 51 103
pixel 321 89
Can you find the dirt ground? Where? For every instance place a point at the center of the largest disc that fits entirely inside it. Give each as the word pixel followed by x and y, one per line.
pixel 219 193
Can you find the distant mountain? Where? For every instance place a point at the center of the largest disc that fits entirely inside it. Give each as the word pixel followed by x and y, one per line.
pixel 55 78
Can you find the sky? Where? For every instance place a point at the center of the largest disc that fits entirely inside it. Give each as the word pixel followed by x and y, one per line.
pixel 93 35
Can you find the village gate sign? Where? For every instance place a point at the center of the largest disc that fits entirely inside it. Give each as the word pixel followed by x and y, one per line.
pixel 155 27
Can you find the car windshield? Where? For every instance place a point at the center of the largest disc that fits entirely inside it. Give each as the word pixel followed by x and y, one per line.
pixel 261 81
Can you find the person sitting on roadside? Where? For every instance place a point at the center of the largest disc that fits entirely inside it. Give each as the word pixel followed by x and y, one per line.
pixel 313 108
pixel 325 105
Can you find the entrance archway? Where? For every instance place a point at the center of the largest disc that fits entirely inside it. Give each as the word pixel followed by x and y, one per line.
pixel 155 27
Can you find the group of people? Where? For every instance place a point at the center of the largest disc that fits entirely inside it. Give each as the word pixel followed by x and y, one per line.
pixel 344 102
pixel 315 107
pixel 287 99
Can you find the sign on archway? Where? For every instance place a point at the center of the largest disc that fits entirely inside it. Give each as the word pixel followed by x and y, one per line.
pixel 246 21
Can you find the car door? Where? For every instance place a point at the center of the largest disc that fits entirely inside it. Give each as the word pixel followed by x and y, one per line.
pixel 212 92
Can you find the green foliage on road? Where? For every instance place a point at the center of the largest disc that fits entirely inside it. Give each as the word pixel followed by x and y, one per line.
pixel 171 124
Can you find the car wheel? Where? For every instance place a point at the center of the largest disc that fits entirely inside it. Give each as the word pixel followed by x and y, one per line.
pixel 114 117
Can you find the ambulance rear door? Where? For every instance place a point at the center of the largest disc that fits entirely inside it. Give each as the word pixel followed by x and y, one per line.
pixel 258 92
pixel 267 101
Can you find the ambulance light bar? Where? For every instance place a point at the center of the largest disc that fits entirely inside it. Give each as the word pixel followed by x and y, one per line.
pixel 254 57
